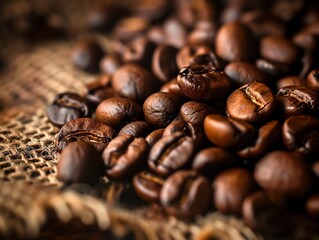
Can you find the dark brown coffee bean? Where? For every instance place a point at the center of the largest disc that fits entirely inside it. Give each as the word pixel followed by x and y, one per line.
pixel 87 55
pixel 230 188
pixel 175 32
pixel 173 88
pixel 210 59
pixel 195 112
pixel 281 172
pixel 110 63
pixel 171 153
pixel 153 10
pixel 253 102
pixel 289 81
pixel 273 69
pixel 268 136
pixel 85 130
pixel 130 27
pixel 278 49
pixel 312 206
pixel 288 106
pixel 227 132
pixel 134 82
pixel 203 34
pixel 148 186
pixel 80 162
pixel 163 63
pixel 66 107
pixel 154 136
pixel 136 129
pixel 186 55
pixel 233 41
pixel 312 80
pixel 124 156
pixel 117 112
pixel 186 194
pixel 241 73
pixel 160 109
pixel 213 160
pixel 301 134
pixel 203 83
pixel 306 40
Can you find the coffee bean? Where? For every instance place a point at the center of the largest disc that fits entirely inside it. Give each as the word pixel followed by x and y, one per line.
pixel 160 109
pixel 163 62
pixel 173 88
pixel 253 102
pixel 80 162
pixel 289 81
pixel 85 130
pixel 186 55
pixel 110 63
pixel 312 206
pixel 227 132
pixel 281 171
pixel 148 186
pixel 185 194
pixel 306 40
pixel 233 41
pixel 230 188
pixel 301 134
pixel 134 82
pixel 273 69
pixel 87 55
pixel 124 156
pixel 312 80
pixel 136 129
pixel 203 83
pixel 213 160
pixel 171 153
pixel 154 136
pixel 203 34
pixel 288 106
pixel 117 112
pixel 130 27
pixel 210 59
pixel 241 73
pixel 66 107
pixel 195 112
pixel 153 10
pixel 175 32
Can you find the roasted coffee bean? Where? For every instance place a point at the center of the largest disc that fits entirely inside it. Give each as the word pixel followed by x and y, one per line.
pixel 213 160
pixel 278 49
pixel 306 40
pixel 268 137
pixel 163 62
pixel 148 186
pixel 210 59
pixel 136 129
pixel 153 10
pixel 134 82
pixel 66 107
pixel 281 172
pixel 160 109
pixel 171 153
pixel 288 106
pixel 312 80
pixel 124 156
pixel 173 88
pixel 233 41
pixel 85 130
pixel 186 56
pixel 80 162
pixel 303 95
pixel 227 132
pixel 130 27
pixel 195 112
pixel 253 102
pixel 273 69
pixel 241 73
pixel 230 188
pixel 87 55
pixel 203 83
pixel 175 32
pixel 289 81
pixel 186 194
pixel 312 206
pixel 154 136
pixel 117 112
pixel 301 134
pixel 110 63
pixel 203 34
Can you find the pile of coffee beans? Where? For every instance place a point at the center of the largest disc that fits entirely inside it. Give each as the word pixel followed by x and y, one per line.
pixel 202 106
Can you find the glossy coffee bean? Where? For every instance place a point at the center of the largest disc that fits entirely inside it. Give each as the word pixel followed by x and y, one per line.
pixel 268 137
pixel 195 112
pixel 117 112
pixel 288 106
pixel 160 109
pixel 186 55
pixel 289 81
pixel 136 129
pixel 203 83
pixel 312 80
pixel 110 63
pixel 203 34
pixel 85 130
pixel 272 68
pixel 66 107
pixel 278 49
pixel 134 82
pixel 230 188
pixel 87 55
pixel 233 41
pixel 185 194
pixel 213 160
pixel 80 162
pixel 253 102
pixel 171 153
pixel 301 134
pixel 281 172
pixel 124 156
pixel 148 186
pixel 163 62
pixel 173 88
pixel 241 73
pixel 312 206
pixel 306 40
pixel 154 136
pixel 227 132
pixel 174 32
pixel 210 59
